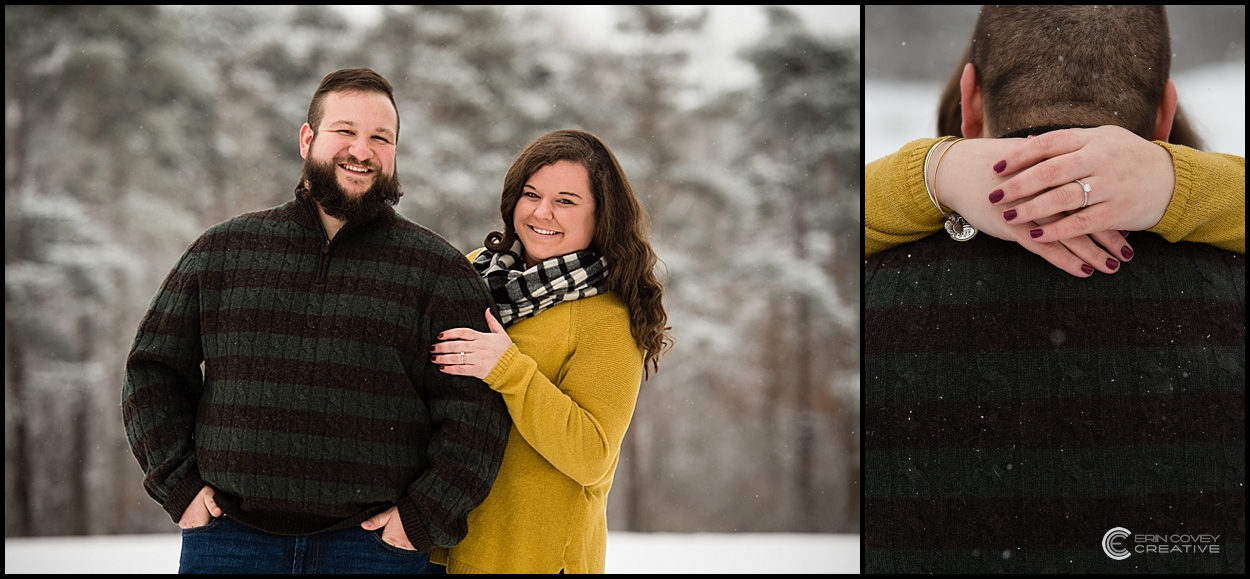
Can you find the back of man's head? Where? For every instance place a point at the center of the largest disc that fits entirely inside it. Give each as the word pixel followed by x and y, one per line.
pixel 1042 66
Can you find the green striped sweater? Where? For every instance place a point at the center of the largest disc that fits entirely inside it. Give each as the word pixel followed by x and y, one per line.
pixel 292 375
pixel 1015 414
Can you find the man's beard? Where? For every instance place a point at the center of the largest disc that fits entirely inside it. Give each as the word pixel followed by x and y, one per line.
pixel 323 188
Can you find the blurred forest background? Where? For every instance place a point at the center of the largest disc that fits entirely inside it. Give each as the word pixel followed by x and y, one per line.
pixel 130 129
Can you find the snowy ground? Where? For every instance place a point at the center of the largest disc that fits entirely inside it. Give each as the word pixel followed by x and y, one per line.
pixel 635 553
pixel 1214 96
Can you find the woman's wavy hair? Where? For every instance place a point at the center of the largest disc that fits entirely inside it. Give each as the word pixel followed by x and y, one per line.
pixel 621 231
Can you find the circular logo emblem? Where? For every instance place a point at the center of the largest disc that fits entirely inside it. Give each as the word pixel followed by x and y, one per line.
pixel 1110 547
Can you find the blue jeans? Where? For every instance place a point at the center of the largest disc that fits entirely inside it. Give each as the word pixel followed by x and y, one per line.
pixel 228 546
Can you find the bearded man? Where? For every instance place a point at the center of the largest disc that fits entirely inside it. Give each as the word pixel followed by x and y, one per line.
pixel 279 394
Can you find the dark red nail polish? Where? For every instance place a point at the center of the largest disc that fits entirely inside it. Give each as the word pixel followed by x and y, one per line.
pixel 1112 264
pixel 996 196
pixel 1124 233
pixel 1126 252
pixel 1085 267
pixel 1036 233
pixel 440 336
pixel 999 166
pixel 1009 214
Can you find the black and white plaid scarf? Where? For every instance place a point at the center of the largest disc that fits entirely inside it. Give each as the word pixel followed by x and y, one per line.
pixel 523 293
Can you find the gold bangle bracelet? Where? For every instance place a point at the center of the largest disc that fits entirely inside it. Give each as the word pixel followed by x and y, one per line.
pixel 928 188
pixel 937 165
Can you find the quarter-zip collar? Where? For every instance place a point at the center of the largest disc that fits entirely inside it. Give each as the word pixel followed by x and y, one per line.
pixel 303 210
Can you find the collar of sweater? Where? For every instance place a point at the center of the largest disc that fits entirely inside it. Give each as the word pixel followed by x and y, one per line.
pixel 303 211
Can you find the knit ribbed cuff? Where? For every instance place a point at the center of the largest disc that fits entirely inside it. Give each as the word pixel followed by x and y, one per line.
pixel 501 367
pixel 411 519
pixel 1169 226
pixel 184 492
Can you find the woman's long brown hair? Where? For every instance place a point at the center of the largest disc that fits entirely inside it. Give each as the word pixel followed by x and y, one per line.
pixel 621 233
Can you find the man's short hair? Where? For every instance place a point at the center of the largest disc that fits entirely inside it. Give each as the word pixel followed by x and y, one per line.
pixel 349 80
pixel 1087 66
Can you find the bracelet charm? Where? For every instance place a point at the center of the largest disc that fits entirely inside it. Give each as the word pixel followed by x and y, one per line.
pixel 958 227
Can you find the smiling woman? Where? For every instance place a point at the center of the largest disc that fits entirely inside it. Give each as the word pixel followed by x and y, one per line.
pixel 556 214
pixel 573 277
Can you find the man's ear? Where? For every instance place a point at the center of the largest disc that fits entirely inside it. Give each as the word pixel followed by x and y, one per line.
pixel 1166 113
pixel 305 140
pixel 970 104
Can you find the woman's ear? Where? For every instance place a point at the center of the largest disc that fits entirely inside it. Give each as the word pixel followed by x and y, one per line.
pixel 970 103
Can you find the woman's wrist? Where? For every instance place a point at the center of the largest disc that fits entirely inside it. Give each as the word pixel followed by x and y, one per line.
pixel 966 171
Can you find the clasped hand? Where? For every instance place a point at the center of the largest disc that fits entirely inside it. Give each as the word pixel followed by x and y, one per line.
pixel 1042 207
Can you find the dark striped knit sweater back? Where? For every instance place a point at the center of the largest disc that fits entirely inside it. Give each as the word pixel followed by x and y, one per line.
pixel 317 406
pixel 1014 414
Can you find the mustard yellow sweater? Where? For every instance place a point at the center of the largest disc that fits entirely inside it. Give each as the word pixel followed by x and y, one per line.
pixel 570 381
pixel 1208 204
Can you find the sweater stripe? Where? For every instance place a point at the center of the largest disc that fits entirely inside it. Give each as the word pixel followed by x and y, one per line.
pixel 251 325
pixel 375 480
pixel 325 350
pixel 299 271
pixel 302 494
pixel 1057 422
pixel 988 291
pixel 1034 325
pixel 355 428
pixel 333 402
pixel 1036 374
pixel 1006 472
pixel 1031 520
pixel 282 377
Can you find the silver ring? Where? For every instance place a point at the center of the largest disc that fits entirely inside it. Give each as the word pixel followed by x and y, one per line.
pixel 1086 189
pixel 461 358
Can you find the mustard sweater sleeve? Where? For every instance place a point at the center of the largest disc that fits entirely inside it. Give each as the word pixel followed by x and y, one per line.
pixel 577 421
pixel 897 208
pixel 1209 202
